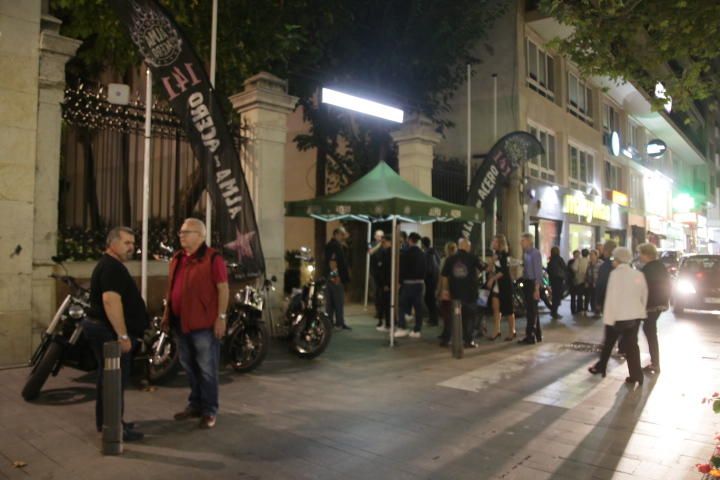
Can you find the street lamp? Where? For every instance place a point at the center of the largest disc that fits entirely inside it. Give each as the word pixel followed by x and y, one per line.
pixel 362 105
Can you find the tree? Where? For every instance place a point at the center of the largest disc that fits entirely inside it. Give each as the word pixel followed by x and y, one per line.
pixel 667 41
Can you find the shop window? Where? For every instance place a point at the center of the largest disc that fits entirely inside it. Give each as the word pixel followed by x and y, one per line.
pixel 543 166
pixel 613 176
pixel 581 168
pixel 579 99
pixel 581 236
pixel 540 70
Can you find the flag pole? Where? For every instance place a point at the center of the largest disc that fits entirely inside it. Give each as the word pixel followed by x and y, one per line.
pixel 495 137
pixel 213 54
pixel 146 185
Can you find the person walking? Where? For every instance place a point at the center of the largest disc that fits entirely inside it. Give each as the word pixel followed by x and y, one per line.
pixel 579 268
pixel 501 288
pixel 432 274
pixel 444 297
pixel 532 277
pixel 459 281
pixel 624 309
pixel 591 280
pixel 659 290
pixel 336 271
pixel 197 299
pixel 375 252
pixel 557 272
pixel 117 313
pixel 571 269
pixel 385 282
pixel 604 273
pixel 412 282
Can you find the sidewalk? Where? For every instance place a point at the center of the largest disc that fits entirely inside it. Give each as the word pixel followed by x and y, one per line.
pixel 365 411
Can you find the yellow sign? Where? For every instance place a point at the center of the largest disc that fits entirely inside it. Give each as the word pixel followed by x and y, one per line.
pixel 578 204
pixel 620 198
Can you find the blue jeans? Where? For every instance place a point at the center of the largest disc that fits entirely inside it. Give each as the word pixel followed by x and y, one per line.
pixel 411 297
pixel 97 333
pixel 335 303
pixel 199 353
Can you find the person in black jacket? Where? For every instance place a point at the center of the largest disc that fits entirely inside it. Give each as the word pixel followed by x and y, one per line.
pixel 336 271
pixel 412 282
pixel 659 288
pixel 557 271
pixel 384 282
pixel 432 273
pixel 604 273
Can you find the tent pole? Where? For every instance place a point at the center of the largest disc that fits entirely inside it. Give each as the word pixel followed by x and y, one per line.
pixel 146 184
pixel 393 282
pixel 367 264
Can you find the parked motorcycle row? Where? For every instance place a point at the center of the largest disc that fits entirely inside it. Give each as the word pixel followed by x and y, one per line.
pixel 245 346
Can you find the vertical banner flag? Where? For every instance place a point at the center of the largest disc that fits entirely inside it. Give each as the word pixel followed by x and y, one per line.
pixel 503 158
pixel 182 77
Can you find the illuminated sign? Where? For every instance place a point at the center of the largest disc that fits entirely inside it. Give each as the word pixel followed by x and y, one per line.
pixel 620 198
pixel 656 148
pixel 615 143
pixel 578 204
pixel 686 217
pixel 683 203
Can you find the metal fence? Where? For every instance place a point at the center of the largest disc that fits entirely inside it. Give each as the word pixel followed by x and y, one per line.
pixel 102 166
pixel 449 183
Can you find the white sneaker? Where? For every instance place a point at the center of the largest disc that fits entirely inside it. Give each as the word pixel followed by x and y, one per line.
pixel 401 332
pixel 414 334
pixel 382 328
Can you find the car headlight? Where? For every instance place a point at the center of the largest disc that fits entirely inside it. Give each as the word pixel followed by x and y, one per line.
pixel 685 287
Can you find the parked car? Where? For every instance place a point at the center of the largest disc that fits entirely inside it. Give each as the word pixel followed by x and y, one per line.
pixel 698 283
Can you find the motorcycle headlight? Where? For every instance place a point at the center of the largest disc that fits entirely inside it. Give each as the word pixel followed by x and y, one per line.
pixel 320 299
pixel 76 312
pixel 238 297
pixel 685 287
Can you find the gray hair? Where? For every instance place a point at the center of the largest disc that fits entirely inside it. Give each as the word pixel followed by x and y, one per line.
pixel 199 224
pixel 528 236
pixel 114 234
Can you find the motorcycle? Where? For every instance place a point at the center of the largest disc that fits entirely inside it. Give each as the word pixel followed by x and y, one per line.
pixel 309 327
pixel 62 344
pixel 519 297
pixel 247 339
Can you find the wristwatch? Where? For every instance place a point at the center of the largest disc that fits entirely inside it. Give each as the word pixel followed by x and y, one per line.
pixel 222 316
pixel 123 337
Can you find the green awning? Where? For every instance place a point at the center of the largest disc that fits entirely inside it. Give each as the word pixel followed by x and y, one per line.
pixel 382 194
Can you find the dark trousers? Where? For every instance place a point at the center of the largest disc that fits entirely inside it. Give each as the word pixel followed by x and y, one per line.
pixel 379 305
pixel 411 297
pixel 532 328
pixel 385 310
pixel 650 330
pixel 431 302
pixel 335 303
pixel 445 309
pixel 469 319
pixel 627 332
pixel 577 298
pixel 590 300
pixel 97 333
pixel 557 286
pixel 199 353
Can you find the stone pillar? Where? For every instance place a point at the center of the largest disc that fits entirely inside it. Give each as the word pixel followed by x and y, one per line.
pixel 416 141
pixel 265 106
pixel 55 51
pixel 513 217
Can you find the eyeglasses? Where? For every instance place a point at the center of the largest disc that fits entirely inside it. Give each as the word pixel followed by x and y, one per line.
pixel 186 232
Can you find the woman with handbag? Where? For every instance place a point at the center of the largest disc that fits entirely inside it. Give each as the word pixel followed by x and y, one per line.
pixel 501 289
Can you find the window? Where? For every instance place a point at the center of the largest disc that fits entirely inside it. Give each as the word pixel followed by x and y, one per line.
pixel 579 99
pixel 581 168
pixel 613 176
pixel 636 191
pixel 635 140
pixel 540 70
pixel 543 166
pixel 611 122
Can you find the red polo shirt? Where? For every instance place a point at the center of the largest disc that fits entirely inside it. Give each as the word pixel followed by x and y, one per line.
pixel 219 275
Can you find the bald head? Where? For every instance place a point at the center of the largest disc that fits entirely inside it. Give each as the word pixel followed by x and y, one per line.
pixel 464 244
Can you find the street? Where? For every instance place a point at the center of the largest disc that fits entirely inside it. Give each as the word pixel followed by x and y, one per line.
pixel 364 411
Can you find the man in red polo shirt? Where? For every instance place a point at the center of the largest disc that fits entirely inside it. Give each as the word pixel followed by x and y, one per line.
pixel 197 301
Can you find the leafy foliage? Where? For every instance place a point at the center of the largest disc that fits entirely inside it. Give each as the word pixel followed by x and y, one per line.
pixel 671 41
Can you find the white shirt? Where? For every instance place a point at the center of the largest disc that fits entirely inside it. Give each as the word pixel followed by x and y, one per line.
pixel 626 296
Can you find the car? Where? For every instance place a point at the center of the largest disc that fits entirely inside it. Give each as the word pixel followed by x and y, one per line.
pixel 698 283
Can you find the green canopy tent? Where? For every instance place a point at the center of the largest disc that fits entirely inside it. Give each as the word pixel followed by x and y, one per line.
pixel 383 195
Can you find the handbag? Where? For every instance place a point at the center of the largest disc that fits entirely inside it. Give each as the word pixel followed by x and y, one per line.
pixel 483 297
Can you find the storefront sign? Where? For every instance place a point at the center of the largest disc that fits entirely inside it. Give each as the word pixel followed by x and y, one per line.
pixel 580 205
pixel 686 217
pixel 656 148
pixel 620 198
pixel 657 225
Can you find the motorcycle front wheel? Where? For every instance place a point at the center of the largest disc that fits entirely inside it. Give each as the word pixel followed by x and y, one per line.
pixel 247 347
pixel 42 371
pixel 162 367
pixel 311 336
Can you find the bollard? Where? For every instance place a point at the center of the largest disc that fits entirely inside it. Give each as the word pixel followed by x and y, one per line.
pixel 112 431
pixel 456 341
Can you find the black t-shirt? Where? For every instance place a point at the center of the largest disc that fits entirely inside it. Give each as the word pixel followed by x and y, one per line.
pixel 462 271
pixel 110 275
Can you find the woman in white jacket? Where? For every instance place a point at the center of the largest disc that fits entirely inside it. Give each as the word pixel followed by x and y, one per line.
pixel 624 309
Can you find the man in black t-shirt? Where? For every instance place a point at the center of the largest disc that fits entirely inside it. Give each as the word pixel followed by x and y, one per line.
pixel 117 312
pixel 460 281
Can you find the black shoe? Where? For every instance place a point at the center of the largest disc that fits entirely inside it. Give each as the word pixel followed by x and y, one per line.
pixel 527 341
pixel 189 412
pixel 129 425
pixel 595 370
pixel 651 369
pixel 345 327
pixel 538 338
pixel 632 381
pixel 556 316
pixel 130 435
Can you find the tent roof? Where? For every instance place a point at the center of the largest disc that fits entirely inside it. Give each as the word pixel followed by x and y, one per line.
pixel 382 194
